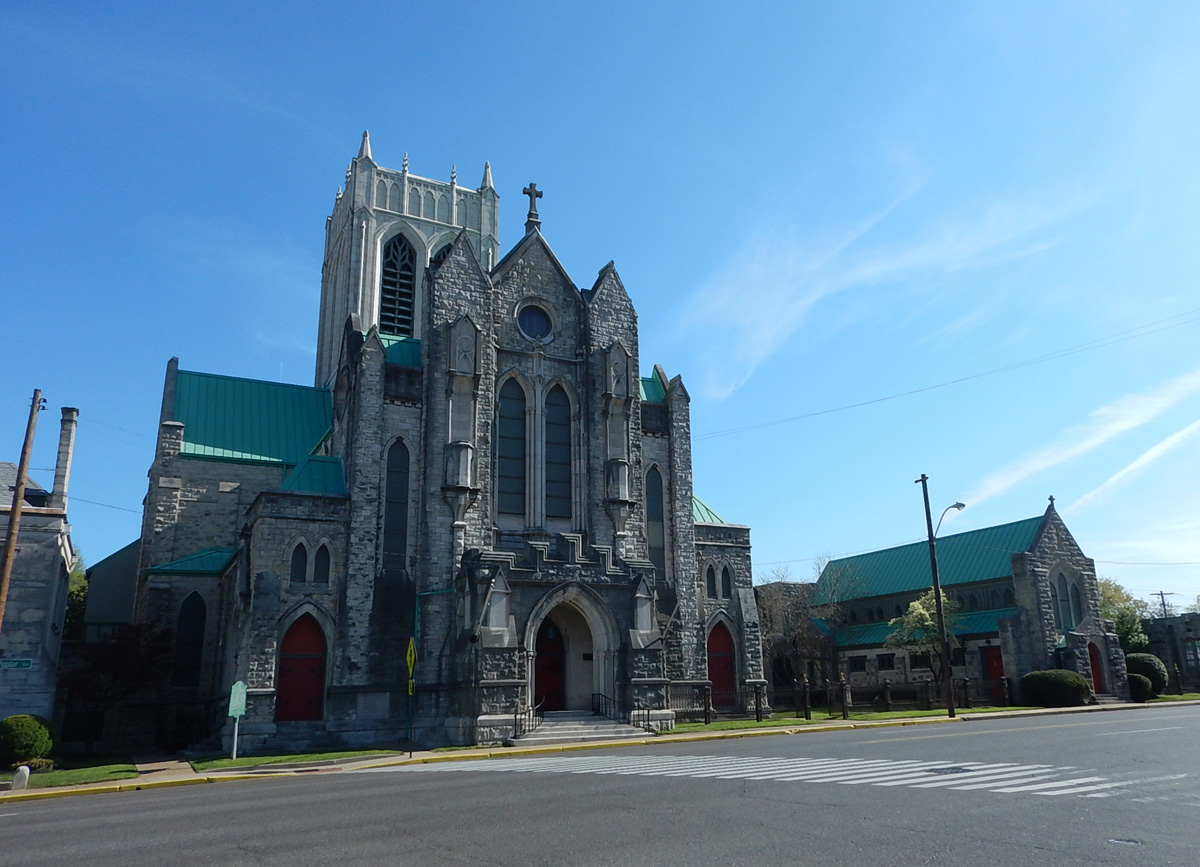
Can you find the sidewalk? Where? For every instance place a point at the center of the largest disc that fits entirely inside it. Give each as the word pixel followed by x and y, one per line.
pixel 157 774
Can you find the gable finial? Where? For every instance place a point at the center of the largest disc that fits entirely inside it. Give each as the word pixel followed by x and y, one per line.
pixel 1051 501
pixel 532 221
pixel 364 150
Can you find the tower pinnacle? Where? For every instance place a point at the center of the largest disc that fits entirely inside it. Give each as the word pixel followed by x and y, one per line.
pixel 364 150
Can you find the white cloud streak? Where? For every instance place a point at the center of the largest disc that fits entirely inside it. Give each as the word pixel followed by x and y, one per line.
pixel 1137 466
pixel 1103 424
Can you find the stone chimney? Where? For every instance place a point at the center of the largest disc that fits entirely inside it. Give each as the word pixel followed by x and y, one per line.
pixel 66 451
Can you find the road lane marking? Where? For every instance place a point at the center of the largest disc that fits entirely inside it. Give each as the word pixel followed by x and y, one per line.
pixel 1138 731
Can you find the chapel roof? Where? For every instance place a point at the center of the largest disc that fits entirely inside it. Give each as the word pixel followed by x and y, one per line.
pixel 964 558
pixel 228 418
pixel 35 494
pixel 207 561
pixel 702 513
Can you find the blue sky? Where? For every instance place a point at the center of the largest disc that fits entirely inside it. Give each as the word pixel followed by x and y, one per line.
pixel 876 240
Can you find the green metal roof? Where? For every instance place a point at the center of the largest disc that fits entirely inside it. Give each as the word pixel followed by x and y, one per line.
pixel 874 634
pixel 962 559
pixel 404 351
pixel 652 389
pixel 317 475
pixel 702 513
pixel 233 419
pixel 209 561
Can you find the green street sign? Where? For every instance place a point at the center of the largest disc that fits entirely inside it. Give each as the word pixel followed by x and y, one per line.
pixel 18 664
pixel 237 700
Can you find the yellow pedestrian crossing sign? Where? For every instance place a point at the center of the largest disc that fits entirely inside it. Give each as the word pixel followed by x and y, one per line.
pixel 412 660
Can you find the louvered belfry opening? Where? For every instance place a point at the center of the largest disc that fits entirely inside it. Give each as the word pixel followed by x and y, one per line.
pixel 397 287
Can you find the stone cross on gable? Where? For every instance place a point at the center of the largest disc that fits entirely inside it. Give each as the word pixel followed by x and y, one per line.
pixel 534 194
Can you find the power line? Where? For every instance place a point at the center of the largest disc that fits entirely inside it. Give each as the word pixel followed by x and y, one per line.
pixel 105 505
pixel 1118 337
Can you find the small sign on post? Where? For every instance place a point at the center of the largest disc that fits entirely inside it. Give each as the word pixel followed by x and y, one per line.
pixel 20 664
pixel 411 659
pixel 237 710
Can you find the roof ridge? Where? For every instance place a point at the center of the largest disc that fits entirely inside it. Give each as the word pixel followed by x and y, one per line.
pixel 257 381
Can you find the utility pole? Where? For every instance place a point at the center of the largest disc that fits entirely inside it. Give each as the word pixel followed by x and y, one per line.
pixel 947 671
pixel 1162 597
pixel 18 500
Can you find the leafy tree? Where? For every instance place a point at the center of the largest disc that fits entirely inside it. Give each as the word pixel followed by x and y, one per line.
pixel 1126 613
pixel 837 585
pixel 77 590
pixel 916 630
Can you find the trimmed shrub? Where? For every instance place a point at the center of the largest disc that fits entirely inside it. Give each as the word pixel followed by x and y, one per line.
pixel 1055 688
pixel 23 736
pixel 1140 689
pixel 1150 667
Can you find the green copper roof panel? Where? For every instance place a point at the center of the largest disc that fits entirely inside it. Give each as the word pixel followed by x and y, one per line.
pixel 962 559
pixel 234 419
pixel 873 634
pixel 703 514
pixel 981 622
pixel 209 561
pixel 651 389
pixel 404 351
pixel 866 634
pixel 317 475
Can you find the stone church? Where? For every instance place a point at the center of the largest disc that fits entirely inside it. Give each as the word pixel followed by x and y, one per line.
pixel 479 508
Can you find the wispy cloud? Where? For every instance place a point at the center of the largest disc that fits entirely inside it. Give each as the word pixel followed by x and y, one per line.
pixel 1103 424
pixel 760 296
pixel 1136 467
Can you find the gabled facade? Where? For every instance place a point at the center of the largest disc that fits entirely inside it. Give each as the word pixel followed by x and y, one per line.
pixel 479 507
pixel 1026 600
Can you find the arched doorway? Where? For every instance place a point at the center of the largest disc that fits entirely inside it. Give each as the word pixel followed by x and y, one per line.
pixel 1097 670
pixel 300 683
pixel 564 666
pixel 722 667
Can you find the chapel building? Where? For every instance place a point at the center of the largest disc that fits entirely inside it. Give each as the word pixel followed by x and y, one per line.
pixel 479 508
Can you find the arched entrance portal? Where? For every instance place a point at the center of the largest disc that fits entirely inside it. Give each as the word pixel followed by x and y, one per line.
pixel 722 667
pixel 564 666
pixel 1097 670
pixel 300 684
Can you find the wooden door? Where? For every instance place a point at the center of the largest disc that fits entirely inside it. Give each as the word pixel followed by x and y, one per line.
pixel 300 683
pixel 549 668
pixel 722 667
pixel 1097 670
pixel 993 670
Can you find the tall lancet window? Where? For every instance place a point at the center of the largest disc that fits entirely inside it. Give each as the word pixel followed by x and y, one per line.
pixel 395 509
pixel 656 538
pixel 558 454
pixel 510 450
pixel 397 287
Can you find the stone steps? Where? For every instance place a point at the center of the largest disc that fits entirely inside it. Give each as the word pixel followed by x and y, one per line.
pixel 571 727
pixel 1107 698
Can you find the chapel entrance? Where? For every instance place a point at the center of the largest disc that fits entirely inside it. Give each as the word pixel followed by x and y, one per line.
pixel 300 682
pixel 1097 671
pixel 722 667
pixel 563 667
pixel 993 670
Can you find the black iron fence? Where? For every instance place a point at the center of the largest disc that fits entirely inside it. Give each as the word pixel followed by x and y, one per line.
pixel 840 698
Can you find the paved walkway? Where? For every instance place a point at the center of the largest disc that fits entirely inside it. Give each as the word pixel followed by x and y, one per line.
pixel 161 773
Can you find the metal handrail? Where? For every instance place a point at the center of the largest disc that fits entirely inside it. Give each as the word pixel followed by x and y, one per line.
pixel 608 707
pixel 527 718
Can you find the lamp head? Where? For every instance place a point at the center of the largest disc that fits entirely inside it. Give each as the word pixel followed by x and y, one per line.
pixel 959 506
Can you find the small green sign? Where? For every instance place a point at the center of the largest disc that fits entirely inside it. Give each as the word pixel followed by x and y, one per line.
pixel 16 664
pixel 237 699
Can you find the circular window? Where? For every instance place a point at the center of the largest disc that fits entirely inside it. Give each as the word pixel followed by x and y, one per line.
pixel 534 323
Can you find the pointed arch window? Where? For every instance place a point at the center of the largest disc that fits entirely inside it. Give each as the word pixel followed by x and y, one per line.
pixel 1076 606
pixel 1064 602
pixel 558 454
pixel 726 582
pixel 1055 607
pixel 397 287
pixel 321 566
pixel 298 573
pixel 189 641
pixel 395 508
pixel 439 257
pixel 510 450
pixel 655 527
pixel 710 581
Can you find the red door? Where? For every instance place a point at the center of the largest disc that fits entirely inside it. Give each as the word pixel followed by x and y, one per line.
pixel 549 680
pixel 1097 671
pixel 722 667
pixel 993 670
pixel 300 685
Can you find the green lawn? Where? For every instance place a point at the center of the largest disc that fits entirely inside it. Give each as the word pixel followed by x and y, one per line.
pixel 1187 696
pixel 76 770
pixel 254 761
pixel 821 716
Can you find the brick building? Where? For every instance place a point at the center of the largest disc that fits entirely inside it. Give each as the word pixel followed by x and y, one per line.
pixel 1026 600
pixel 480 470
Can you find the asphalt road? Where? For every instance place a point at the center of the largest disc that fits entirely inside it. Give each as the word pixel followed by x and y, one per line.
pixel 1100 788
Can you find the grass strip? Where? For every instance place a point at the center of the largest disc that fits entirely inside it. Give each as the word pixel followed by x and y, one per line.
pixel 287 758
pixel 98 773
pixel 823 718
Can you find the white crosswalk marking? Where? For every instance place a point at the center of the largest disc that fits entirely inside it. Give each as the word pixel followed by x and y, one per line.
pixel 1000 777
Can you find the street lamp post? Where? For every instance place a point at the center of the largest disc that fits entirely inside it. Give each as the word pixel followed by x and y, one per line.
pixel 937 592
